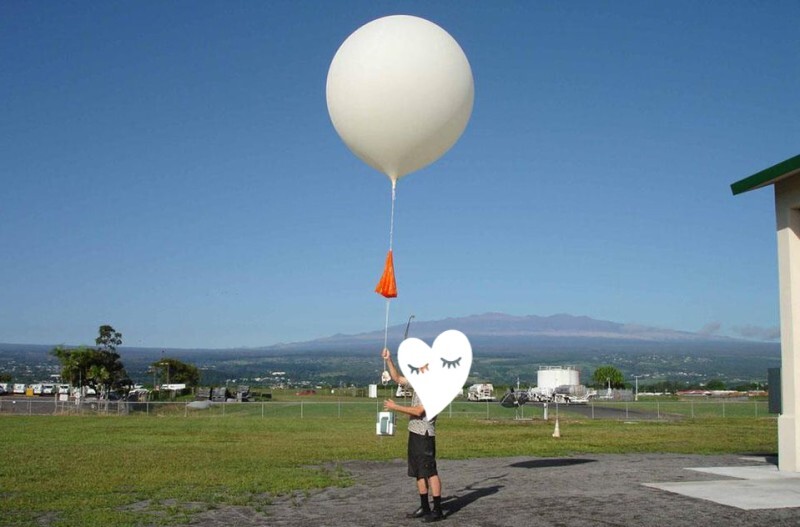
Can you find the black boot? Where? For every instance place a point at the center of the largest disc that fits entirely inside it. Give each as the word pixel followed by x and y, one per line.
pixel 424 507
pixel 419 513
pixel 437 513
pixel 434 516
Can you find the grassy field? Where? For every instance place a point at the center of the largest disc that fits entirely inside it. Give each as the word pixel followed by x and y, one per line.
pixel 148 469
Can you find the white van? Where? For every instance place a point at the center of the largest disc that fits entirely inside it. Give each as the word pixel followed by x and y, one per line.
pixel 481 392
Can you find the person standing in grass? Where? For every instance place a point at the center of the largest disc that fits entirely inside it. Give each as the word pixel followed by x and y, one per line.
pixel 421 449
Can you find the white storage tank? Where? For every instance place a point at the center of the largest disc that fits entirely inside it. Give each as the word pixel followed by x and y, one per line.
pixel 554 376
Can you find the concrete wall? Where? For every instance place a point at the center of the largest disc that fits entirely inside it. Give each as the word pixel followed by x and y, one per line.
pixel 787 213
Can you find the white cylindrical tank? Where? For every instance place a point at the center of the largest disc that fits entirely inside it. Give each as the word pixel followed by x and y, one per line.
pixel 555 376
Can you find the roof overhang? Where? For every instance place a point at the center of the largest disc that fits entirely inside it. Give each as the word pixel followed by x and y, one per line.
pixel 769 176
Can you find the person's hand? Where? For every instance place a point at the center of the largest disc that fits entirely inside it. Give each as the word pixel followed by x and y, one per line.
pixel 389 404
pixel 386 354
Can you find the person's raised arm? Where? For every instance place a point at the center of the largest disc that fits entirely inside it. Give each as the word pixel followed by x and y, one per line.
pixel 396 377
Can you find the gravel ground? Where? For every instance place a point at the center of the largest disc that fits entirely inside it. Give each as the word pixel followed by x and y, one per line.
pixel 586 490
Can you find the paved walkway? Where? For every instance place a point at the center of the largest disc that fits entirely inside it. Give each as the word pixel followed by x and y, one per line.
pixel 586 490
pixel 760 486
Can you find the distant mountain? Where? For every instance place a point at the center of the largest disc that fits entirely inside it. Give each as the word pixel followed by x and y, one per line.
pixel 505 347
pixel 499 333
pixel 491 332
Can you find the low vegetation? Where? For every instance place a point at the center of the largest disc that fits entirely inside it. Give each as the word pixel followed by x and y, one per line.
pixel 151 470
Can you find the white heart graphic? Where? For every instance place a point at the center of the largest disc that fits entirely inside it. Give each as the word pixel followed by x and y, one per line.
pixel 437 374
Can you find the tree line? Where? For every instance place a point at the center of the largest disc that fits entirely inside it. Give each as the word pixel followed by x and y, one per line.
pixel 101 369
pixel 604 376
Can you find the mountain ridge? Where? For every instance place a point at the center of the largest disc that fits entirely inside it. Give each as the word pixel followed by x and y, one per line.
pixel 505 328
pixel 485 328
pixel 504 347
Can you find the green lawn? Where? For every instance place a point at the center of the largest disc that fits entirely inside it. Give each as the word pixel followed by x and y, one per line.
pixel 145 469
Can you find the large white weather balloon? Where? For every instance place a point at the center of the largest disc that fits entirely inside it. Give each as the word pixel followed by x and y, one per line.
pixel 400 93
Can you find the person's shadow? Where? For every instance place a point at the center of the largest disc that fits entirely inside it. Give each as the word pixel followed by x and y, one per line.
pixel 454 504
pixel 550 462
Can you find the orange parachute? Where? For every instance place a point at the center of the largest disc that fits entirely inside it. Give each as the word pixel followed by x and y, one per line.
pixel 387 286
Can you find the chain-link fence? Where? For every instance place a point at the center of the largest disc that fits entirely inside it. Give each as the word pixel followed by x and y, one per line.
pixel 353 408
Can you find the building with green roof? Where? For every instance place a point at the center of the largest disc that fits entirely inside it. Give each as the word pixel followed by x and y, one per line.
pixel 785 179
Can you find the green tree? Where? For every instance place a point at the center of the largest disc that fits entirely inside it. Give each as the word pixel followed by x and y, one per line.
pixel 661 387
pixel 605 374
pixel 108 338
pixel 75 364
pixel 5 377
pixel 99 368
pixel 715 384
pixel 173 371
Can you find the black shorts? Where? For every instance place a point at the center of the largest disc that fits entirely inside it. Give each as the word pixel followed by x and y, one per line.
pixel 421 456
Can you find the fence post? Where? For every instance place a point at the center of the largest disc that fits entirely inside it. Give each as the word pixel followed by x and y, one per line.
pixel 487 410
pixel 755 405
pixel 658 409
pixel 723 408
pixel 301 409
pixel 592 409
pixel 626 410
pixel 339 409
pixel 262 410
pixel 692 407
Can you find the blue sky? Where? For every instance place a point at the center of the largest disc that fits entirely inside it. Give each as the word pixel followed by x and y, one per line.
pixel 170 168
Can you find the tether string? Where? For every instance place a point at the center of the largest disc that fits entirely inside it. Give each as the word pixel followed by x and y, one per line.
pixel 386 330
pixel 391 219
pixel 391 242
